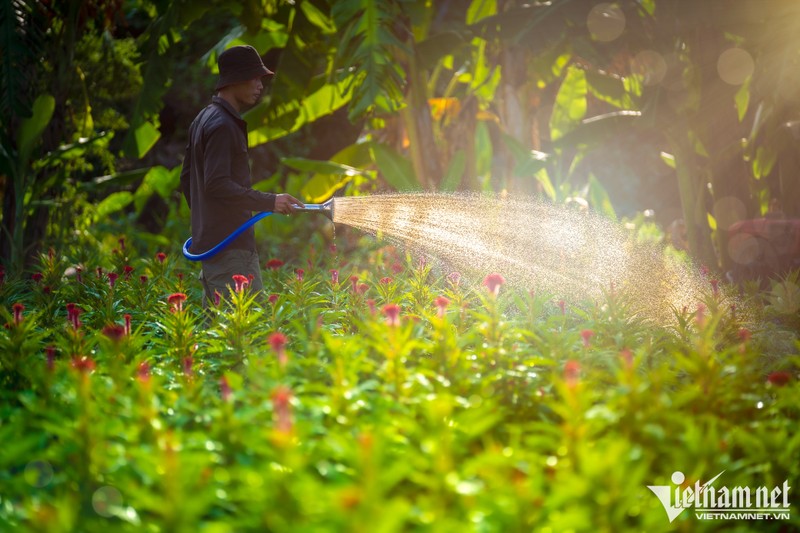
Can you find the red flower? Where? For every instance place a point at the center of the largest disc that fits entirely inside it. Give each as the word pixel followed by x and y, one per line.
pixel 176 301
pixel 273 298
pixel 18 309
pixel 217 297
pixel 73 312
pixel 493 282
pixel 354 281
pixel 362 288
pixel 187 365
pixel 572 371
pixel 278 343
pixel 2 276
pixel 274 264
pixel 563 306
pixel 334 277
pixel 627 357
pixel 441 303
pixel 99 272
pixel 78 275
pixel 332 248
pixel 586 335
pixel 392 312
pixel 112 279
pixel 397 268
pixel 84 364
pixel 51 357
pixel 121 243
pixel 47 289
pixel 744 335
pixel 114 332
pixel 300 273
pixel 371 305
pixel 779 379
pixel 37 277
pixel 385 281
pixel 225 389
pixel 282 408
pixel 128 270
pixel 161 256
pixel 143 372
pixel 240 282
pixel 127 324
pixel 143 279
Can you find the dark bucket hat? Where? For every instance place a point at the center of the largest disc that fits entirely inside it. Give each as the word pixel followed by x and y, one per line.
pixel 238 64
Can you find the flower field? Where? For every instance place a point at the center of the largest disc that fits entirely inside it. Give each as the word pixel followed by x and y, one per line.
pixel 369 391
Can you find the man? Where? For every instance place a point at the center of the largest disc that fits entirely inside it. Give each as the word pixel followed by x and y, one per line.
pixel 215 178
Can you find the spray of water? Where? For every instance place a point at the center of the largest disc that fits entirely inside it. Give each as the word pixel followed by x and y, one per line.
pixel 568 253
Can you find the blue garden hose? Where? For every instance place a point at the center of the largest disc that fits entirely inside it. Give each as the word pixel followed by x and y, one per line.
pixel 326 209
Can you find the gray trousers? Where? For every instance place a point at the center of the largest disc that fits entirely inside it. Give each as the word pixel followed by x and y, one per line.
pixel 217 273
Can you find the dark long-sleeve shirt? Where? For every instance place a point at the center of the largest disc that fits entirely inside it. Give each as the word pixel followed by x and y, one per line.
pixel 215 178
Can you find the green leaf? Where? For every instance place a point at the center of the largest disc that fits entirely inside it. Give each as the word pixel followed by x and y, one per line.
pixel 322 186
pixel 320 167
pixel 596 130
pixel 570 105
pixel 31 129
pixel 142 140
pixel 547 185
pixel 610 89
pixel 317 17
pixel 455 172
pixel 267 125
pixel 528 162
pixel 395 169
pixel 159 180
pixel 112 203
pixel 480 9
pixel 765 159
pixel 598 198
pixel 742 99
pixel 668 159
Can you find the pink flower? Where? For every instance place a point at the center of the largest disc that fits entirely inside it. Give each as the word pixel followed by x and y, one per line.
pixel 371 305
pixel 354 282
pixel 334 277
pixel 18 309
pixel 362 288
pixel 493 282
pixel 392 313
pixel 779 379
pixel 161 256
pixel 176 301
pixel 715 287
pixel 217 297
pixel 586 335
pixel 112 279
pixel 700 316
pixel 332 248
pixel 240 282
pixel 441 303
pixel 127 324
pixel 572 372
pixel 274 264
pixel 282 408
pixel 454 278
pixel 278 343
pixel 397 268
pixel 563 306
pixel 385 281
pixel 273 298
pixel 300 273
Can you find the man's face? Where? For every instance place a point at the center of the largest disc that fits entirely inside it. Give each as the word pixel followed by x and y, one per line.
pixel 247 93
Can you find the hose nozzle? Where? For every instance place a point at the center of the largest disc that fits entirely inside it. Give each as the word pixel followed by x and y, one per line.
pixel 324 208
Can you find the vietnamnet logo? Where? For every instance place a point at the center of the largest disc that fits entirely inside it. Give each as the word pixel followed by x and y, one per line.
pixel 723 503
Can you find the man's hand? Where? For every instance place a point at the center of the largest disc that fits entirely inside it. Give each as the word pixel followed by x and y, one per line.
pixel 285 204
